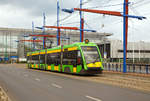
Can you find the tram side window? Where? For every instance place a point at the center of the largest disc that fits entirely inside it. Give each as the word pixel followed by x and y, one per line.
pixel 53 58
pixel 49 60
pixel 42 59
pixel 35 59
pixel 70 58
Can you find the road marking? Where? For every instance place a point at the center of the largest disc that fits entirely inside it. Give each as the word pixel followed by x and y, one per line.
pixel 95 99
pixel 55 85
pixel 37 79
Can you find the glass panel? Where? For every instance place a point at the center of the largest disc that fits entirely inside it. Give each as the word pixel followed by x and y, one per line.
pixel 91 54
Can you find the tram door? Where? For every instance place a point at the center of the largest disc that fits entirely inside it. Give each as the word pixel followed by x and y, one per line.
pixel 61 58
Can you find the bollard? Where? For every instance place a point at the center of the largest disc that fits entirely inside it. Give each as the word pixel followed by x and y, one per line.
pixel 146 69
pixel 109 67
pixel 140 69
pixel 106 66
pixel 103 65
pixel 133 68
pixel 112 67
pixel 128 68
pixel 120 67
pixel 117 67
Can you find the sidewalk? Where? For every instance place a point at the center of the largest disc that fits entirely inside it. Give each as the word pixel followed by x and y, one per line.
pixel 131 74
pixel 128 80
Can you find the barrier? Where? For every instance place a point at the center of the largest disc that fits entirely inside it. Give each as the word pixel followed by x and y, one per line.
pixel 131 68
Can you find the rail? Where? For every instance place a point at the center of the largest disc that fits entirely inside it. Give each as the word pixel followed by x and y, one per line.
pixel 131 68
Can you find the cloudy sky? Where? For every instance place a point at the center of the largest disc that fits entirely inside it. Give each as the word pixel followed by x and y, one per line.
pixel 20 14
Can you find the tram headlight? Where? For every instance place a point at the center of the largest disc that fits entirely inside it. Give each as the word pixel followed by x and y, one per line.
pixel 86 41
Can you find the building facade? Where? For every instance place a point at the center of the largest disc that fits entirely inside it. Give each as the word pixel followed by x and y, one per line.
pixel 135 50
pixel 11 44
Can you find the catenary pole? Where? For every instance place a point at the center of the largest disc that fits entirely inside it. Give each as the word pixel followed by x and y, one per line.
pixel 58 30
pixel 81 23
pixel 125 35
pixel 33 33
pixel 44 38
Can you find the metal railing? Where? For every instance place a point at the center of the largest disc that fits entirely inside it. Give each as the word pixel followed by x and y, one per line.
pixel 131 68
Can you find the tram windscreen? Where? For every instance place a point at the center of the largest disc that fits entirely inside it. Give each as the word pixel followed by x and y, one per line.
pixel 91 54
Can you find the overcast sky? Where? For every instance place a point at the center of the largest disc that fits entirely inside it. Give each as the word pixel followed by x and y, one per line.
pixel 21 13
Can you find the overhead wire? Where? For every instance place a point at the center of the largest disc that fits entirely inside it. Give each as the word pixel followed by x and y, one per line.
pixel 88 25
pixel 103 1
pixel 65 18
pixel 69 23
pixel 86 2
pixel 102 6
pixel 142 3
pixel 137 2
pixel 106 6
pixel 134 10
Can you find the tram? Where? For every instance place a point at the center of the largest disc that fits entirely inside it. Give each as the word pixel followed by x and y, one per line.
pixel 77 58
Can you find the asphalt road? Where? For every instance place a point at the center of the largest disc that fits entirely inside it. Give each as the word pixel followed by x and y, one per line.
pixel 24 84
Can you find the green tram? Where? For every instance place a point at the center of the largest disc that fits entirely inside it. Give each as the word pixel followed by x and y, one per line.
pixel 77 58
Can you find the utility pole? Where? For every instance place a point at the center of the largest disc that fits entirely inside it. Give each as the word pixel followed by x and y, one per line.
pixel 33 33
pixel 81 23
pixel 58 30
pixel 10 46
pixel 125 34
pixel 3 45
pixel 44 38
pixel 6 46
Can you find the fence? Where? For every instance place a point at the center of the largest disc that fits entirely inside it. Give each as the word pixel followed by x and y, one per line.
pixel 134 68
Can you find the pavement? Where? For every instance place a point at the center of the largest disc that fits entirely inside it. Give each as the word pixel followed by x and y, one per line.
pixel 22 84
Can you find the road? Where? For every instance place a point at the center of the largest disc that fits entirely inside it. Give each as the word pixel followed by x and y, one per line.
pixel 24 84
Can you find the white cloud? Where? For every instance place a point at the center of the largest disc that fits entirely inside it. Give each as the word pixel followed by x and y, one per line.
pixel 20 14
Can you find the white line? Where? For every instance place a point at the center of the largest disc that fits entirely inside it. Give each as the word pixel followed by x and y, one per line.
pixel 37 79
pixel 55 85
pixel 95 99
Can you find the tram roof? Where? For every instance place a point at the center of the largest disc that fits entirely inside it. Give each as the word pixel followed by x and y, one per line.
pixel 65 46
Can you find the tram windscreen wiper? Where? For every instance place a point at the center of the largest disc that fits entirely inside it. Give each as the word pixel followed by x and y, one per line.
pixel 96 59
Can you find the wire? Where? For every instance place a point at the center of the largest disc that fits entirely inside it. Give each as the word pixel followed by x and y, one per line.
pixel 107 5
pixel 65 18
pixel 86 2
pixel 88 25
pixel 141 3
pixel 103 1
pixel 134 10
pixel 69 23
pixel 117 22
